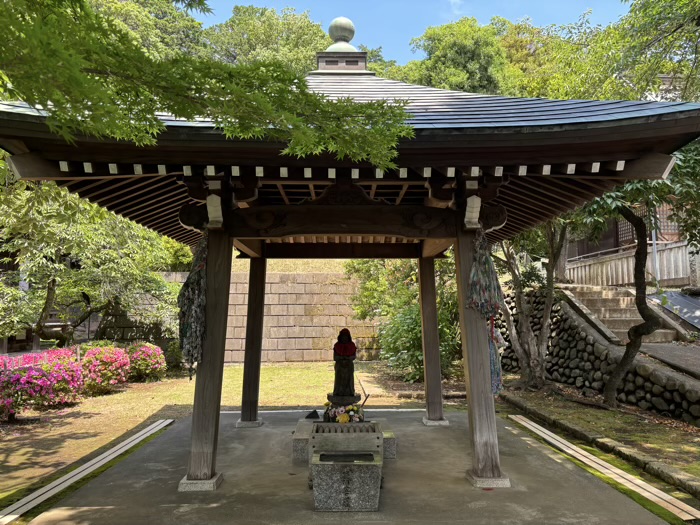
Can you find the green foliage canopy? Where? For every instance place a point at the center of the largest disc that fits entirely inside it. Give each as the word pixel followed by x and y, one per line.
pixel 93 74
pixel 260 34
pixel 62 248
pixel 388 291
pixel 461 56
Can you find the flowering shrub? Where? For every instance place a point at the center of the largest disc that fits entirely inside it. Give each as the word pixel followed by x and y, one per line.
pixel 105 368
pixel 40 386
pixel 343 414
pixel 49 356
pixel 18 387
pixel 147 362
pixel 66 377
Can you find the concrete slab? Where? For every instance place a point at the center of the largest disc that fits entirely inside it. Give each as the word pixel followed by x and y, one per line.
pixel 684 358
pixel 426 485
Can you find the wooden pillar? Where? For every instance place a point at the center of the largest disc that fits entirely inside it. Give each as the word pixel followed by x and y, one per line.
pixel 3 345
pixel 431 343
pixel 210 371
pixel 253 343
pixel 486 463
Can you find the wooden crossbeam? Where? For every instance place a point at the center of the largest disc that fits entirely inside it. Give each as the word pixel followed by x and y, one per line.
pixel 250 247
pixel 404 189
pixel 413 222
pixel 434 247
pixel 348 250
pixel 651 166
pixel 280 187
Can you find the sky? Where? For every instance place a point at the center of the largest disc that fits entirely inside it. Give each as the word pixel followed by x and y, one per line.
pixel 391 24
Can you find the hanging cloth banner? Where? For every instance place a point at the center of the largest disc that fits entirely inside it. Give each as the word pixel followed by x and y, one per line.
pixel 192 302
pixel 485 296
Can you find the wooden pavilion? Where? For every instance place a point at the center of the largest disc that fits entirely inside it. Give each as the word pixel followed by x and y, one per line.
pixel 503 164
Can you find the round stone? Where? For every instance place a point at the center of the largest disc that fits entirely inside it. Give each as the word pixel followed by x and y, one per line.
pixel 341 29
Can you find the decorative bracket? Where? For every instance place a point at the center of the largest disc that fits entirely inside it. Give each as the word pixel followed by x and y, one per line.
pixel 344 193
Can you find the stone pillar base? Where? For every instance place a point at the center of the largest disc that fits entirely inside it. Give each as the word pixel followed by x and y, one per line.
pixel 435 422
pixel 249 424
pixel 489 483
pixel 200 485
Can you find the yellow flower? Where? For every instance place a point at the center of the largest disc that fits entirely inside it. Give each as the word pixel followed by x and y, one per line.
pixel 344 418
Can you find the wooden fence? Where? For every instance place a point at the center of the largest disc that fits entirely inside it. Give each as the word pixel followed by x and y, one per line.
pixel 616 269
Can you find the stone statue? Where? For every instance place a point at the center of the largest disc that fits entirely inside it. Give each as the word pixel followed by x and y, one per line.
pixel 344 353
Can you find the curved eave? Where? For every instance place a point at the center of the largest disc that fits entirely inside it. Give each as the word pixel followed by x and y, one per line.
pixel 454 133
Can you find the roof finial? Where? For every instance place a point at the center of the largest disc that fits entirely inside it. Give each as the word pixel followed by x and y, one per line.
pixel 341 31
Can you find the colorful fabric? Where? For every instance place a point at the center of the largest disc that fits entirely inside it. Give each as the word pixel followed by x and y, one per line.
pixel 496 343
pixel 192 302
pixel 485 296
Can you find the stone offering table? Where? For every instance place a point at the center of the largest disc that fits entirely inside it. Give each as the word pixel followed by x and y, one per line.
pixel 345 465
pixel 346 480
pixel 302 453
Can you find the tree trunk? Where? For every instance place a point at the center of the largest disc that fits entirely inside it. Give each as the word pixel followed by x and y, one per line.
pixel 70 330
pixel 651 323
pixel 41 328
pixel 522 337
pixel 560 268
pixel 556 237
pixel 522 355
pixel 108 312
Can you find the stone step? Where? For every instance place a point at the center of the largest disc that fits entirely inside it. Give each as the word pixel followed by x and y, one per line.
pixel 609 302
pixel 660 336
pixel 627 313
pixel 597 294
pixel 580 287
pixel 618 323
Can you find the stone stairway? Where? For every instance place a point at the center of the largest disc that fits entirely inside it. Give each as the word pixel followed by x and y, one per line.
pixel 615 308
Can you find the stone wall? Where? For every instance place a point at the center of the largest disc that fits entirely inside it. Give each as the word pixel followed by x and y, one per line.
pixel 579 356
pixel 303 315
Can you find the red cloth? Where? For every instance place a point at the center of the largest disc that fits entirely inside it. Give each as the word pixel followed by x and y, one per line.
pixel 345 349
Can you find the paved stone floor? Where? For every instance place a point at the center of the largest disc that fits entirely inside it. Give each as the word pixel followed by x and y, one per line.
pixel 425 485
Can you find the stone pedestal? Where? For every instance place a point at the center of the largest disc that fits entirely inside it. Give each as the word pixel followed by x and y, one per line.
pixel 249 424
pixel 346 481
pixel 488 483
pixel 343 400
pixel 200 485
pixel 435 422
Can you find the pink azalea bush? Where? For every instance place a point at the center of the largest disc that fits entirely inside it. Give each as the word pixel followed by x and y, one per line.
pixel 104 369
pixel 147 362
pixel 48 356
pixel 40 386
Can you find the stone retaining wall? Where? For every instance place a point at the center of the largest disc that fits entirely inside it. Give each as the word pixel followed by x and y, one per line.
pixel 303 315
pixel 579 356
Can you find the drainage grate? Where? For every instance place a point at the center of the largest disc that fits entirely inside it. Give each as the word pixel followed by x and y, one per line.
pixel 349 428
